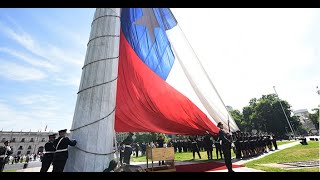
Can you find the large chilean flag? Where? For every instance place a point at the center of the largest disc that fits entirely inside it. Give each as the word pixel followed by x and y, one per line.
pixel 161 86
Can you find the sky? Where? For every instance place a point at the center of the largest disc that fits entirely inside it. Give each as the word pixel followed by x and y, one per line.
pixel 245 51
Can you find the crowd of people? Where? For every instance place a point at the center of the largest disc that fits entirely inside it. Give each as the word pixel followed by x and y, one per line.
pixel 244 145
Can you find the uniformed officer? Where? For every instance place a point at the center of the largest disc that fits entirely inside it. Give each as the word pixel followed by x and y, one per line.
pixel 225 146
pixel 195 147
pixel 5 151
pixel 237 143
pixel 208 145
pixel 47 158
pixel 127 148
pixel 61 151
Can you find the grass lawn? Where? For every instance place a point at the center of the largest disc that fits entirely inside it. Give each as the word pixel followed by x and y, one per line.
pixel 284 142
pixel 184 156
pixel 10 170
pixel 292 154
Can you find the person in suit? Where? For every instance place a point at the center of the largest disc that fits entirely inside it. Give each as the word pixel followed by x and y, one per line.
pixel 121 149
pixel 61 150
pixel 47 158
pixel 225 146
pixel 160 142
pixel 274 142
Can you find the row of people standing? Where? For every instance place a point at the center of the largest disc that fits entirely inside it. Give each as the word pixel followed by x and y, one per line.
pixel 247 145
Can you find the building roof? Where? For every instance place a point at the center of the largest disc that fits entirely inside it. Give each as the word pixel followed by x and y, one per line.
pixel 301 111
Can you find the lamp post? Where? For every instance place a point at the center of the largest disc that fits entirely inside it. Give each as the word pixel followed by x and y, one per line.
pixel 284 111
pixel 318 92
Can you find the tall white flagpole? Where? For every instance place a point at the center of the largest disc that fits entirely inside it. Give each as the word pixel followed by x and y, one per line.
pixel 93 121
pixel 284 111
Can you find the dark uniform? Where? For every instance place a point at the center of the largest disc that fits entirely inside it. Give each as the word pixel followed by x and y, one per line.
pixel 218 147
pixel 226 148
pixel 47 158
pixel 5 151
pixel 121 153
pixel 237 144
pixel 160 142
pixel 274 142
pixel 61 154
pixel 208 145
pixel 195 147
pixel 127 148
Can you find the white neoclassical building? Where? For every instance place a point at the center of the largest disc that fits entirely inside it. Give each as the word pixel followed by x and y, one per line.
pixel 24 143
pixel 303 116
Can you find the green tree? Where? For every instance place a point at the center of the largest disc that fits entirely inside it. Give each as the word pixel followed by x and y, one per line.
pixel 266 115
pixel 238 118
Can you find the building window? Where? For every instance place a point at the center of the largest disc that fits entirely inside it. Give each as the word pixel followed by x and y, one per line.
pixel 43 140
pixel 20 148
pixel 3 140
pixel 29 147
pixel 19 152
pixel 28 152
pixel 31 140
pixel 22 140
pixel 13 140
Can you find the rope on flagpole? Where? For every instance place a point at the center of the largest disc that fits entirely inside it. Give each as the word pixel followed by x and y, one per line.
pixel 102 154
pixel 104 16
pixel 98 85
pixel 100 60
pixel 94 121
pixel 102 36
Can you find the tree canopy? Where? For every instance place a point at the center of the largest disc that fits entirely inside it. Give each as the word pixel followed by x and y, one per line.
pixel 266 115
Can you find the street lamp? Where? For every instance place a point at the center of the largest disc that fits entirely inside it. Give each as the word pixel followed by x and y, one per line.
pixel 284 111
pixel 134 137
pixel 318 91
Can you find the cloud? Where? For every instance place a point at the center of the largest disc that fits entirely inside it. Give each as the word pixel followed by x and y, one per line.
pixel 74 80
pixel 44 50
pixel 33 61
pixel 36 99
pixel 35 112
pixel 78 37
pixel 62 65
pixel 17 72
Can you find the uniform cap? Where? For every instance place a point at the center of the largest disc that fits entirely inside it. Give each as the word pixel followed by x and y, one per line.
pixel 63 130
pixel 52 135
